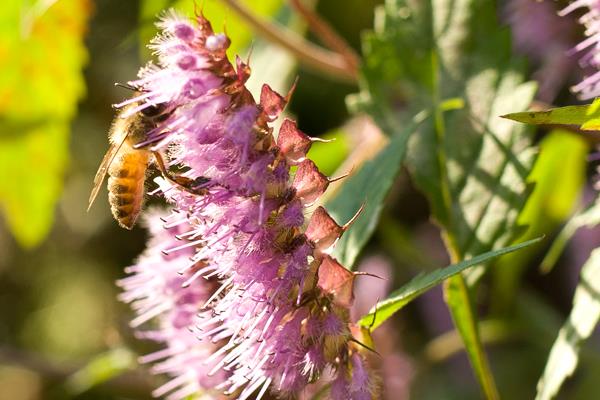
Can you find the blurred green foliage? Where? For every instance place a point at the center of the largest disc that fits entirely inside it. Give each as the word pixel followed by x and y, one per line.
pixel 589 217
pixel 582 320
pixel 41 58
pixel 100 369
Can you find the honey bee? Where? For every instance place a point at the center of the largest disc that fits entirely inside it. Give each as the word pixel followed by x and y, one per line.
pixel 126 164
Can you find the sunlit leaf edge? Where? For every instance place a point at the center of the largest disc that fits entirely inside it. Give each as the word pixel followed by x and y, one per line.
pixel 369 188
pixel 423 282
pixel 586 117
pixel 564 355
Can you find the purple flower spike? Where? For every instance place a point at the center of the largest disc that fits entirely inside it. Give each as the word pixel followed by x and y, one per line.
pixel 238 268
pixel 589 88
pixel 154 290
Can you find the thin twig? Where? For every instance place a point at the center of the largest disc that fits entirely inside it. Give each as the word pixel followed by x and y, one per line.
pixel 310 54
pixel 327 34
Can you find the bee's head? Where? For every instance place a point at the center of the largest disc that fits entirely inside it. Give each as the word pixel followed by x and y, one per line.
pixel 154 110
pixel 158 112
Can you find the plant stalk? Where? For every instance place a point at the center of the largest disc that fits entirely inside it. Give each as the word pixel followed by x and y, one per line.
pixel 309 54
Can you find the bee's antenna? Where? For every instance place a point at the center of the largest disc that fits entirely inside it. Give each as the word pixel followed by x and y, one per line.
pixel 126 86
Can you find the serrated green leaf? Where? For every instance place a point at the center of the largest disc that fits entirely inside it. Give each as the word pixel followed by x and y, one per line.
pixel 41 57
pixel 471 164
pixel 367 187
pixel 422 283
pixel 582 320
pixel 586 117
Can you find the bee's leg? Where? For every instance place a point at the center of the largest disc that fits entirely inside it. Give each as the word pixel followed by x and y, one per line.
pixel 186 184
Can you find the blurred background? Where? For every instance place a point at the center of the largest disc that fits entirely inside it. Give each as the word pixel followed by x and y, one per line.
pixel 63 334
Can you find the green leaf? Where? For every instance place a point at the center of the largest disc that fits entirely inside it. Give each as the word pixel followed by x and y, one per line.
pixel 582 320
pixel 586 117
pixel 29 208
pixel 41 58
pixel 588 217
pixel 471 164
pixel 422 283
pixel 100 369
pixel 559 176
pixel 218 13
pixel 367 187
pixel 458 299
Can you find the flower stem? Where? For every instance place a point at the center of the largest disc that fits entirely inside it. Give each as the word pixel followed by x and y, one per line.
pixel 311 55
pixel 327 34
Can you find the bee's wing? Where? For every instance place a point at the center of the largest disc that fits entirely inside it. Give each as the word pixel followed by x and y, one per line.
pixel 103 169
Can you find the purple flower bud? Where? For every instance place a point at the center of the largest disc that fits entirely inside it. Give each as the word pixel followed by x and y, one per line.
pixel 218 42
pixel 184 32
pixel 187 61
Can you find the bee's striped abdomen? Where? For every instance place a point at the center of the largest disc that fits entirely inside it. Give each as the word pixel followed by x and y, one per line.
pixel 126 185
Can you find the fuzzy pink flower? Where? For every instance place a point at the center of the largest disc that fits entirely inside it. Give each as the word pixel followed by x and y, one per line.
pixel 154 290
pixel 279 313
pixel 589 88
pixel 533 23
